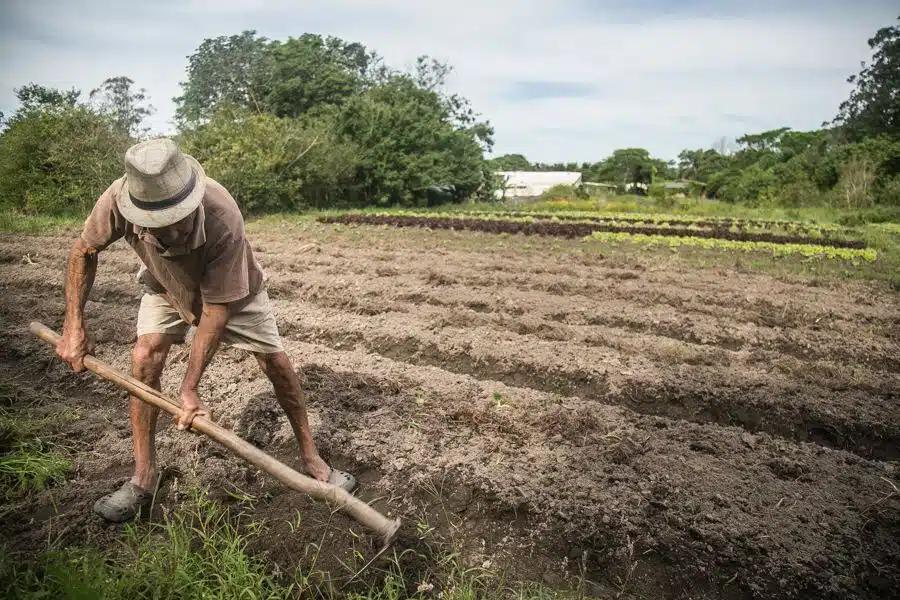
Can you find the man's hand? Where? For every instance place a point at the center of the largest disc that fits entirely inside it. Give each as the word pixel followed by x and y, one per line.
pixel 190 407
pixel 73 346
pixel 206 340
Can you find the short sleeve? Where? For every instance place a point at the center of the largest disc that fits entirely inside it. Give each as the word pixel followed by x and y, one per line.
pixel 105 224
pixel 226 277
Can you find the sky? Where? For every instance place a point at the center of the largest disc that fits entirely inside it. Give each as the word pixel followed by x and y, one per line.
pixel 564 80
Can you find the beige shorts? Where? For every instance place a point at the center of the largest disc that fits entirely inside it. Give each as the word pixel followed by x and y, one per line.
pixel 252 328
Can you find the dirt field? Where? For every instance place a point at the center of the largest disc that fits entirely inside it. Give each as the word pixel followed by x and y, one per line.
pixel 566 412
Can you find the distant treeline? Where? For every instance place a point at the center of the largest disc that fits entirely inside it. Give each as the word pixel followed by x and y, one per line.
pixel 308 122
pixel 317 121
pixel 853 161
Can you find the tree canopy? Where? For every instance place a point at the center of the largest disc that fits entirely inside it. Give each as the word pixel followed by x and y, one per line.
pixel 873 107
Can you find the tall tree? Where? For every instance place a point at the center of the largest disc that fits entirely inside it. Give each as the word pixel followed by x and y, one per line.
pixel 627 167
pixel 126 106
pixel 33 96
pixel 510 162
pixel 225 71
pixel 410 142
pixel 312 70
pixel 873 108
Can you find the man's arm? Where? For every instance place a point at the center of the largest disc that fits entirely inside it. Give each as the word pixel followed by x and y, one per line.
pixel 80 272
pixel 203 347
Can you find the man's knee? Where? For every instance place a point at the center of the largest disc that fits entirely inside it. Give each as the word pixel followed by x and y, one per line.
pixel 149 355
pixel 274 364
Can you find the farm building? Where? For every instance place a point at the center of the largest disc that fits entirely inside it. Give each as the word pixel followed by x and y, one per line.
pixel 519 184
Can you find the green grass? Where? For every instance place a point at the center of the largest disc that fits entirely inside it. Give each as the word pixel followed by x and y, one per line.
pixel 15 222
pixel 31 467
pixel 197 553
pixel 200 551
pixel 30 460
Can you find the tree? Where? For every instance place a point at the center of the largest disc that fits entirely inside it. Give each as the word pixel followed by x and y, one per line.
pixel 856 184
pixel 699 165
pixel 271 163
pixel 58 160
pixel 766 141
pixel 125 106
pixel 410 142
pixel 873 108
pixel 312 71
pixel 510 162
pixel 225 71
pixel 34 96
pixel 628 167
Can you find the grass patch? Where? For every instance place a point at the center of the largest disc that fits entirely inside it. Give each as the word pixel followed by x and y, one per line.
pixel 29 460
pixel 197 553
pixel 201 551
pixel 15 222
pixel 31 467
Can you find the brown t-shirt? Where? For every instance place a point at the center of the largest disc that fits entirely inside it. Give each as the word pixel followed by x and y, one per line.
pixel 216 265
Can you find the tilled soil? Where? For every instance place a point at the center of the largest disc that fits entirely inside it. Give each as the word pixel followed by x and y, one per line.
pixel 578 230
pixel 658 430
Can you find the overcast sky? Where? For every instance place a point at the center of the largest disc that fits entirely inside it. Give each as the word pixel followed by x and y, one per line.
pixel 559 80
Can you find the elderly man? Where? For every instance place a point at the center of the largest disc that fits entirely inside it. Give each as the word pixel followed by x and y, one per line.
pixel 197 269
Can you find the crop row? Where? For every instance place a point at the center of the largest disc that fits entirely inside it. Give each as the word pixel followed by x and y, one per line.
pixel 807 250
pixel 573 229
pixel 733 224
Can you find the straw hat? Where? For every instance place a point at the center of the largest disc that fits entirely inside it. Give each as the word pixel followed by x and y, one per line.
pixel 162 185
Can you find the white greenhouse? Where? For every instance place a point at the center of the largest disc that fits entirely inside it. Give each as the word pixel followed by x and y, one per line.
pixel 521 184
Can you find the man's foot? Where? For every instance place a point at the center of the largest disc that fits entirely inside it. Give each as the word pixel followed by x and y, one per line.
pixel 123 504
pixel 316 468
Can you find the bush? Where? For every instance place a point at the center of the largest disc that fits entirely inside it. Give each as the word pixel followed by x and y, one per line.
pixel 58 161
pixel 801 192
pixel 755 185
pixel 409 142
pixel 562 191
pixel 270 163
pixel 855 187
pixel 888 193
pixel 661 195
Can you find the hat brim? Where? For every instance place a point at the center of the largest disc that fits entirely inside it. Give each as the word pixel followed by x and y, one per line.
pixel 166 216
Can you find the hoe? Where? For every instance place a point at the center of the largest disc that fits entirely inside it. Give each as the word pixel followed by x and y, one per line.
pixel 383 527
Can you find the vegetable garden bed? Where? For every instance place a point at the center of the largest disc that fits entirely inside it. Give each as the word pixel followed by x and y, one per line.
pixel 809 246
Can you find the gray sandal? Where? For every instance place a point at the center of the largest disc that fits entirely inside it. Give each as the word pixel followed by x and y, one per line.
pixel 342 479
pixel 123 504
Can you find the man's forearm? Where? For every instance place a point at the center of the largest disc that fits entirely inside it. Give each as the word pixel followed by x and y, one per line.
pixel 205 343
pixel 80 273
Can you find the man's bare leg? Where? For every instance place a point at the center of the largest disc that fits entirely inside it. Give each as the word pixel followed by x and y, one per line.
pixel 147 361
pixel 277 367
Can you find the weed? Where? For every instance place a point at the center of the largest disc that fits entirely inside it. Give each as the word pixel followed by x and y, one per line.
pixel 196 553
pixel 30 467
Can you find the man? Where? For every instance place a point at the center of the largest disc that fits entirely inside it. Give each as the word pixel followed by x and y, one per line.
pixel 198 269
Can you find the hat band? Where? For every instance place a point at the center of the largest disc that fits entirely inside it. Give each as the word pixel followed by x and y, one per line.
pixel 166 202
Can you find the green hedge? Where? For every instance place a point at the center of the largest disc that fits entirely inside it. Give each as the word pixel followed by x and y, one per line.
pixel 58 161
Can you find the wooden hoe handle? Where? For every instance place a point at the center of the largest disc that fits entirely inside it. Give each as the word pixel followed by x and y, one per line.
pixel 356 508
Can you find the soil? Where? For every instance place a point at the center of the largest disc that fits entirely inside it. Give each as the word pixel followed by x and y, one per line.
pixel 580 230
pixel 655 430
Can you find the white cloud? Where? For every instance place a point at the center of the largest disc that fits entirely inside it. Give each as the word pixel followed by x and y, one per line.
pixel 663 75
